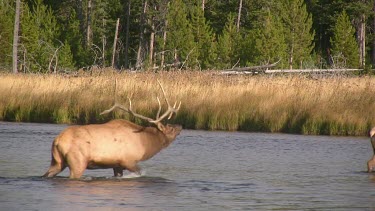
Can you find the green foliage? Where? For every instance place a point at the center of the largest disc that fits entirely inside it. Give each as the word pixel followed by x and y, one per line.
pixel 39 32
pixel 299 34
pixel 180 39
pixel 75 38
pixel 227 44
pixel 6 33
pixel 269 41
pixel 344 47
pixel 196 37
pixel 204 38
pixel 65 58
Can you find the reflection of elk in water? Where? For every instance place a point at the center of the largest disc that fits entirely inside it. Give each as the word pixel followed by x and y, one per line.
pixel 118 144
pixel 371 163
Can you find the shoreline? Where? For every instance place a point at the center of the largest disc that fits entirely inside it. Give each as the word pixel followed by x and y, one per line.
pixel 339 105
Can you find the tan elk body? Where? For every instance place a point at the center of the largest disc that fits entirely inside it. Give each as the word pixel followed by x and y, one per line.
pixel 118 144
pixel 371 162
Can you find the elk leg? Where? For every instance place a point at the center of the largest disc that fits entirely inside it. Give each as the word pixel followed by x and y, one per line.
pixel 118 171
pixel 77 165
pixel 134 168
pixel 371 164
pixel 54 170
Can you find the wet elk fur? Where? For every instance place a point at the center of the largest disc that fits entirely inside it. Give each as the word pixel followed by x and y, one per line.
pixel 118 144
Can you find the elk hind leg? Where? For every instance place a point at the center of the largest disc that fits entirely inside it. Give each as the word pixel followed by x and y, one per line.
pixel 371 164
pixel 54 169
pixel 57 163
pixel 77 165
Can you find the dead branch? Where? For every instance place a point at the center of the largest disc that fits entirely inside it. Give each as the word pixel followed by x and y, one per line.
pixel 252 68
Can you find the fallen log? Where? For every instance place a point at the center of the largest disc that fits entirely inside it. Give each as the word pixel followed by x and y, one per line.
pixel 252 68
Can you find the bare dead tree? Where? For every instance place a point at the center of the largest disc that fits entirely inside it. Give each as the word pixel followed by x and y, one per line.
pixel 127 34
pixel 373 40
pixel 362 40
pixel 152 40
pixel 114 43
pixel 239 16
pixel 141 36
pixel 89 31
pixel 16 36
pixel 164 43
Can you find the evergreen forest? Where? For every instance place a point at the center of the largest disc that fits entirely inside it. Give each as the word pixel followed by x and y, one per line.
pixel 45 36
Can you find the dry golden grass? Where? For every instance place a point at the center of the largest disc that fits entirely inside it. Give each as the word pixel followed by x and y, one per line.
pixel 293 104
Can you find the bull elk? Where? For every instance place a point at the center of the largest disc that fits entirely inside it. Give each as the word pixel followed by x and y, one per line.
pixel 117 144
pixel 371 162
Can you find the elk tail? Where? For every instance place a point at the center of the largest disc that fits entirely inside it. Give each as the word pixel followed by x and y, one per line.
pixel 57 161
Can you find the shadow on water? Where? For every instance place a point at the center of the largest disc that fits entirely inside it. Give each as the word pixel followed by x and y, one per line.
pixel 89 180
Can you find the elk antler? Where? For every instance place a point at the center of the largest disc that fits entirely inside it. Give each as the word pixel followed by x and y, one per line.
pixel 169 113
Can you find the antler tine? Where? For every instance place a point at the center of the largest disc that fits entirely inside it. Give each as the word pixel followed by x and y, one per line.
pixel 129 110
pixel 158 114
pixel 169 113
pixel 174 111
pixel 165 95
pixel 116 105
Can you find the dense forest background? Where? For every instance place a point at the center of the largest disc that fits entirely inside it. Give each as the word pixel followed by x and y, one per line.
pixel 67 35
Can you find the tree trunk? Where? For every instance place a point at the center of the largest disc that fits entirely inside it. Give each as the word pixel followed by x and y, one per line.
pixel 141 37
pixel 239 16
pixel 164 43
pixel 373 40
pixel 203 5
pixel 103 45
pixel 291 56
pixel 89 31
pixel 152 40
pixel 127 35
pixel 80 17
pixel 15 36
pixel 114 43
pixel 362 41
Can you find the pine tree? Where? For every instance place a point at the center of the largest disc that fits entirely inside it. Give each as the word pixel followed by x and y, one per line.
pixel 269 41
pixel 227 44
pixel 180 40
pixel 6 33
pixel 204 38
pixel 298 30
pixel 65 58
pixel 73 36
pixel 39 33
pixel 344 46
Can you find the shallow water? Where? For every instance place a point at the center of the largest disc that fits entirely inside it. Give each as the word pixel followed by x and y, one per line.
pixel 199 171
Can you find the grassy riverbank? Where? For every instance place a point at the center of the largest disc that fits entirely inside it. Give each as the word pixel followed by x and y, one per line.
pixel 298 104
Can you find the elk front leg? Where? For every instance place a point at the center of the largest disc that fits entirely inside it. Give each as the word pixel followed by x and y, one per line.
pixel 134 168
pixel 118 171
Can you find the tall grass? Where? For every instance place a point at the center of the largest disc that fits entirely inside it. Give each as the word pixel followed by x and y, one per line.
pixel 290 104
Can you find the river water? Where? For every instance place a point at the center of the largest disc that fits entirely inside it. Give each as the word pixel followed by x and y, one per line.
pixel 199 171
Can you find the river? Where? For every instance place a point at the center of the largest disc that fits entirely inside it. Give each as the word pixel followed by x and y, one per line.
pixel 201 170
